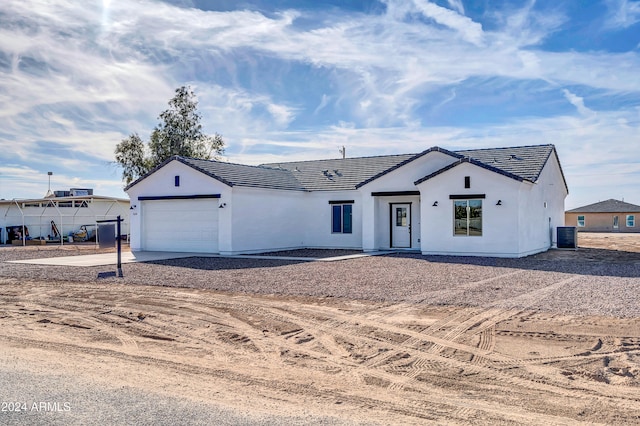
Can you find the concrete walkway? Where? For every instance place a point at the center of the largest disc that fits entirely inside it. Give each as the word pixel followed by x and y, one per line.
pixel 150 256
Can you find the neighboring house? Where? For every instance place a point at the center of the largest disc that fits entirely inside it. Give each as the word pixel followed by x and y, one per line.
pixel 487 202
pixel 605 216
pixel 50 218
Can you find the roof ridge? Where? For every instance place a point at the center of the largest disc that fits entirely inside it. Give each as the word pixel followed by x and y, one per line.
pixel 224 162
pixel 339 159
pixel 507 147
pixel 405 154
pixel 602 204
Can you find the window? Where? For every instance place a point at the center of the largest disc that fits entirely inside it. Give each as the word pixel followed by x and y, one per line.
pixel 581 221
pixel 631 221
pixel 176 181
pixel 467 217
pixel 467 181
pixel 615 222
pixel 401 216
pixel 341 218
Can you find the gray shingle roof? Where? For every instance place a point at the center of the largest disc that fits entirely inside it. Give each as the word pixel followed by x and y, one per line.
pixel 608 206
pixel 340 174
pixel 522 163
pixel 526 162
pixel 472 161
pixel 244 175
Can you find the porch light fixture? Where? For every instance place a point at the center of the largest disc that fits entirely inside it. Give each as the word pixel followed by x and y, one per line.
pixel 133 207
pixel 499 203
pixel 435 204
pixel 222 206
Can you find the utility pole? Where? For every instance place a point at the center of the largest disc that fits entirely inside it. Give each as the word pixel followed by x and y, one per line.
pixel 49 193
pixel 343 151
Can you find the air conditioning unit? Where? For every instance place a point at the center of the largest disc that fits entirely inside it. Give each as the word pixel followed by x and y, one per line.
pixel 80 192
pixel 567 237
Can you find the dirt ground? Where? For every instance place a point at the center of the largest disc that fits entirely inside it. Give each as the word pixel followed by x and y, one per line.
pixel 357 360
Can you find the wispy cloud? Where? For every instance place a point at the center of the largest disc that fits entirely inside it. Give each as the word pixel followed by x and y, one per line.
pixel 577 102
pixel 77 77
pixel 622 13
pixel 468 30
pixel 456 5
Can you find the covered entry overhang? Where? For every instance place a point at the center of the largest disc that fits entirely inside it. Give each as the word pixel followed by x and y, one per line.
pixel 396 220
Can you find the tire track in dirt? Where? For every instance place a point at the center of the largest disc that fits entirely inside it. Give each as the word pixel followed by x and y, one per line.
pixel 404 366
pixel 287 316
pixel 51 315
pixel 547 381
pixel 531 381
pixel 412 408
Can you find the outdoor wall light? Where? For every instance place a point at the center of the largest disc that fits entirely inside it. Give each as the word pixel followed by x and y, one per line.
pixel 133 207
pixel 222 206
pixel 499 203
pixel 435 204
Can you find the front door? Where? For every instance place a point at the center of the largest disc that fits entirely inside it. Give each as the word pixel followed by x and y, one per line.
pixel 401 225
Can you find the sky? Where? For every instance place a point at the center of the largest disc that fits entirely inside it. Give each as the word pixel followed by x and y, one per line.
pixel 288 80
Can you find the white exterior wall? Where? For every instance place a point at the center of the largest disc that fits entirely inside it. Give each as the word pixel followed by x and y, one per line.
pixel 192 182
pixel 538 223
pixel 318 224
pixel 266 220
pixel 499 223
pixel 67 219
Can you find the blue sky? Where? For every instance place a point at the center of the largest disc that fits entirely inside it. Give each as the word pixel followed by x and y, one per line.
pixel 293 80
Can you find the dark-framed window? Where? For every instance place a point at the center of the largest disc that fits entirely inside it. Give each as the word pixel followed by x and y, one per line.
pixel 342 218
pixel 631 221
pixel 467 218
pixel 581 221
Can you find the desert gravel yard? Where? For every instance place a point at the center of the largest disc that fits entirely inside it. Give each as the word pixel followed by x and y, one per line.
pixel 395 339
pixel 592 280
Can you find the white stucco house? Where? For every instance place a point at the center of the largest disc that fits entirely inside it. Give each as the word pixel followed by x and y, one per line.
pixel 503 202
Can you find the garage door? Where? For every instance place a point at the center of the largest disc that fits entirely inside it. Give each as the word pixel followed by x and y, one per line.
pixel 180 225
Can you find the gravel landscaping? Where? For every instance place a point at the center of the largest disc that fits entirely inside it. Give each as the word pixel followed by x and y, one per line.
pixel 311 253
pixel 576 282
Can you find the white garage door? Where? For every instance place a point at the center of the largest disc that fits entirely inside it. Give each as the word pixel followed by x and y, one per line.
pixel 180 225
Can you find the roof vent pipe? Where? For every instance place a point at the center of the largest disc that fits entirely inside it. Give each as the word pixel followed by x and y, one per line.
pixel 343 151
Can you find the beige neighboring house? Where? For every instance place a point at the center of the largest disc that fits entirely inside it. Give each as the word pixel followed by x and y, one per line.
pixel 605 216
